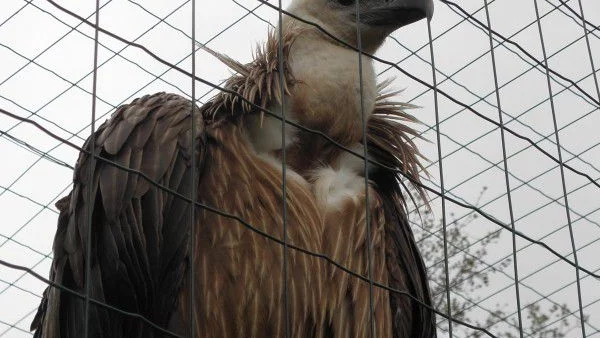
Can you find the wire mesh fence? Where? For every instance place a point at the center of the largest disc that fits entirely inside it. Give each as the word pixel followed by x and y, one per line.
pixel 509 103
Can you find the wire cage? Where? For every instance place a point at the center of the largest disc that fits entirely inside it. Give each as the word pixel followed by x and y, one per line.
pixel 508 101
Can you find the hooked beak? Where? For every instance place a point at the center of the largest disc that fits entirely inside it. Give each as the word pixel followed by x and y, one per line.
pixel 397 13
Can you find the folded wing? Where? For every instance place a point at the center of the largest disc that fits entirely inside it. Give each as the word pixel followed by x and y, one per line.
pixel 140 232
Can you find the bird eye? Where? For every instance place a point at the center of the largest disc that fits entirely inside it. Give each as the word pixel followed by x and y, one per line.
pixel 345 2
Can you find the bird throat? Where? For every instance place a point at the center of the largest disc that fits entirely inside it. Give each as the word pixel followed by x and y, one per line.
pixel 325 91
pixel 329 95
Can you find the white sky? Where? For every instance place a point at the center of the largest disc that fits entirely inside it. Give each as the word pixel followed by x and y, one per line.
pixel 56 86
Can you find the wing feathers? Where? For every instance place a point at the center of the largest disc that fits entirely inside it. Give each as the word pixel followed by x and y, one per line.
pixel 139 243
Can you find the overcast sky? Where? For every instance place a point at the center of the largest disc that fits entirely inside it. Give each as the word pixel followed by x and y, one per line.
pixel 46 60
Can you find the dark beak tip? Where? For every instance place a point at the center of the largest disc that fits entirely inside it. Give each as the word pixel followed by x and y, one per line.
pixel 414 15
pixel 425 9
pixel 400 13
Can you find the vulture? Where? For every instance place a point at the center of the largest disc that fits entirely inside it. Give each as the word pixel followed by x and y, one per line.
pixel 192 271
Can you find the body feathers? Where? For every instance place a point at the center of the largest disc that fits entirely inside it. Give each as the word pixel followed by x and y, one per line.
pixel 140 245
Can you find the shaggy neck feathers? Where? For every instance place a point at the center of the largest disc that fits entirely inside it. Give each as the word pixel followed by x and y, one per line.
pixel 322 93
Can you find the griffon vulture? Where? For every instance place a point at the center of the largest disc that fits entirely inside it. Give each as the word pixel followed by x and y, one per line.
pixel 140 245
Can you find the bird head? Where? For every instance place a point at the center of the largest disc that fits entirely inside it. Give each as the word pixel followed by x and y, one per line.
pixel 376 19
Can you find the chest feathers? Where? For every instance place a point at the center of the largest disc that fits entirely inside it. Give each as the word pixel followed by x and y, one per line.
pixel 326 204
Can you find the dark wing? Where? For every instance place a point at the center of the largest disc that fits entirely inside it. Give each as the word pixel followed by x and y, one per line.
pixel 407 271
pixel 139 232
pixel 390 141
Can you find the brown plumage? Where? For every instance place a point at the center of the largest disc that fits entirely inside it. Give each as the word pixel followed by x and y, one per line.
pixel 140 245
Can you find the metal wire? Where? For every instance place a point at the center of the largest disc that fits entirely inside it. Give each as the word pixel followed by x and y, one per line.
pixel 443 93
pixel 517 178
pixel 465 145
pixel 506 178
pixel 581 17
pixel 587 43
pixel 49 46
pixel 90 196
pixel 117 53
pixel 464 205
pixel 542 297
pixel 363 117
pixel 441 173
pixel 548 69
pixel 477 303
pixel 349 46
pixel 14 325
pixel 84 297
pixel 523 217
pixel 122 102
pixel 193 185
pixel 231 216
pixel 76 84
pixel 562 170
pixel 503 44
pixel 282 94
pixel 156 77
pixel 23 275
pixel 44 207
pixel 415 224
pixel 526 183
